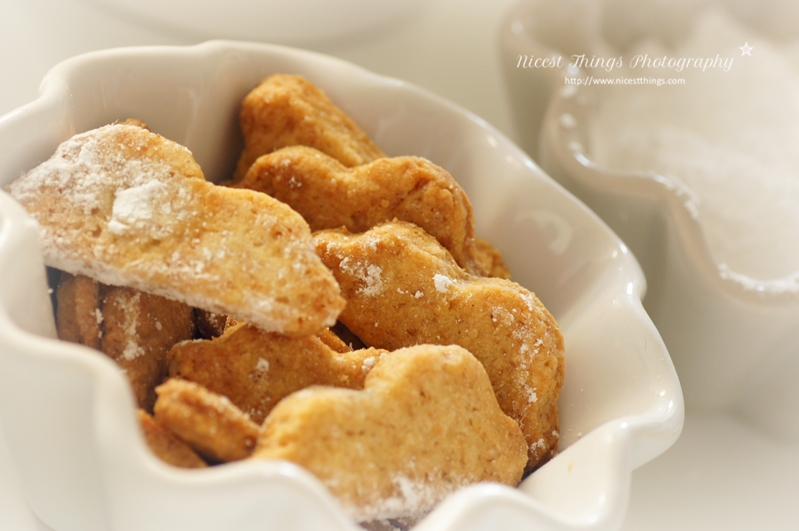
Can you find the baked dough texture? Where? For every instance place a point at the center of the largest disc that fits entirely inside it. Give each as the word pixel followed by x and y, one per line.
pixel 403 288
pixel 128 207
pixel 166 445
pixel 256 369
pixel 426 423
pixel 288 110
pixel 330 195
pixel 133 328
pixel 206 421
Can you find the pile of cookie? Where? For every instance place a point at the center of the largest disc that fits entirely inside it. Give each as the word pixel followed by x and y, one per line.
pixel 328 305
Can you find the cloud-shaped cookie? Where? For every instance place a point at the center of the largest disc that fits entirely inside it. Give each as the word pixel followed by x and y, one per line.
pixel 330 195
pixel 256 369
pixel 426 423
pixel 288 110
pixel 403 288
pixel 206 421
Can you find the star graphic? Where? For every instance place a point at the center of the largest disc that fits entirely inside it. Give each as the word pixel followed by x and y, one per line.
pixel 746 49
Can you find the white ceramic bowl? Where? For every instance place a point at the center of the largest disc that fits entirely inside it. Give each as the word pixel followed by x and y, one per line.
pixel 68 413
pixel 736 349
pixel 299 22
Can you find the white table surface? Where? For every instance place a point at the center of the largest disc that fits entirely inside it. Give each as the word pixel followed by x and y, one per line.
pixel 721 474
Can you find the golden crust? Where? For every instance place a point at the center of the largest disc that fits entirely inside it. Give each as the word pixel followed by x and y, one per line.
pixel 403 288
pixel 133 328
pixel 167 231
pixel 330 195
pixel 206 421
pixel 78 313
pixel 137 123
pixel 287 110
pixel 333 341
pixel 256 369
pixel 425 424
pixel 165 445
pixel 490 260
pixel 138 331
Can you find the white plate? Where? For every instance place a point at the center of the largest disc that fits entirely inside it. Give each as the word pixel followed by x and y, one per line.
pixel 68 412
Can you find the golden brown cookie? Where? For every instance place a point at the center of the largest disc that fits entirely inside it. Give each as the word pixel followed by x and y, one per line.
pixel 403 288
pixel 128 207
pixel 426 423
pixel 137 123
pixel 330 195
pixel 133 328
pixel 138 331
pixel 78 310
pixel 490 260
pixel 165 444
pixel 288 110
pixel 256 369
pixel 206 421
pixel 333 341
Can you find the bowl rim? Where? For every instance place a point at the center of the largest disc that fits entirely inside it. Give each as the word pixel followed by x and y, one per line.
pixel 681 202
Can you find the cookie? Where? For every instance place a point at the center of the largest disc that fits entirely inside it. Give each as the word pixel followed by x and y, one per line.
pixel 288 110
pixel 426 423
pixel 206 421
pixel 256 369
pixel 128 207
pixel 330 195
pixel 403 288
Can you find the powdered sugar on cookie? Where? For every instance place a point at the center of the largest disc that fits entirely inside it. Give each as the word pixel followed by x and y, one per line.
pixel 128 207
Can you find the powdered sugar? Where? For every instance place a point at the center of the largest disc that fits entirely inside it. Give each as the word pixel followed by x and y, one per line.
pixel 369 363
pixel 134 207
pixel 128 207
pixel 528 297
pixel 442 282
pixel 93 175
pixel 532 396
pixel 413 498
pixel 540 444
pixel 262 365
pixel 80 188
pixel 368 273
pixel 130 311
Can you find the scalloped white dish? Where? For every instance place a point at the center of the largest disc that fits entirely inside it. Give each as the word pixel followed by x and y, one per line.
pixel 68 413
pixel 735 344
